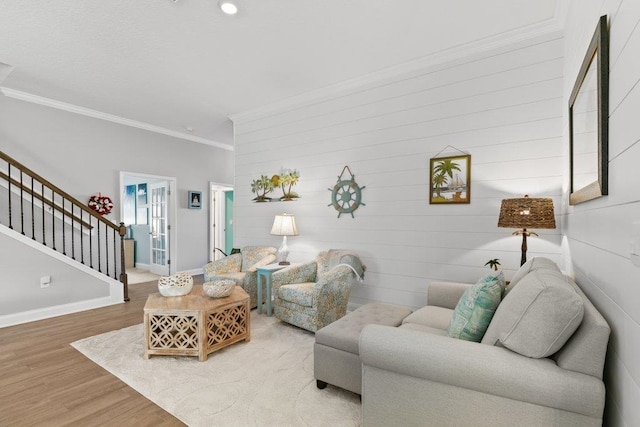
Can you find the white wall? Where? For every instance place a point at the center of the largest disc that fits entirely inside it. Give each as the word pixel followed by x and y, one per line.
pixel 84 156
pixel 503 106
pixel 24 263
pixel 21 275
pixel 598 232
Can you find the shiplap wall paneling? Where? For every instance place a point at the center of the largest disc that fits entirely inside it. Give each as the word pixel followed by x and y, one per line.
pixel 504 108
pixel 440 83
pixel 599 232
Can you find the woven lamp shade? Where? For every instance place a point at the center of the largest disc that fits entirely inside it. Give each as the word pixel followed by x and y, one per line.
pixel 527 212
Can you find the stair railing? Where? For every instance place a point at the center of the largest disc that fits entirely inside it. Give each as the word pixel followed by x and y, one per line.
pixel 38 209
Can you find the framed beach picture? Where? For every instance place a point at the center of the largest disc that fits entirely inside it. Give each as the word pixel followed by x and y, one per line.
pixel 195 199
pixel 450 179
pixel 129 204
pixel 142 194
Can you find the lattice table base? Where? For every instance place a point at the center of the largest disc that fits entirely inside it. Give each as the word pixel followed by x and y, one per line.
pixel 195 324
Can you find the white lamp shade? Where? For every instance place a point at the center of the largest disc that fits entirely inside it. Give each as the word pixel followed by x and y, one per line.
pixel 284 225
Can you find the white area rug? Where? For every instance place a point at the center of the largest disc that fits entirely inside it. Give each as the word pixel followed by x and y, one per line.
pixel 265 382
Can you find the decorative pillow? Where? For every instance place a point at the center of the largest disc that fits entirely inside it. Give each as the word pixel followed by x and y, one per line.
pixel 538 316
pixel 264 261
pixel 252 256
pixel 532 264
pixel 476 307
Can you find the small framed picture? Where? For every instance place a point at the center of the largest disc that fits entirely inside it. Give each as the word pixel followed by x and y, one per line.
pixel 450 180
pixel 142 194
pixel 195 199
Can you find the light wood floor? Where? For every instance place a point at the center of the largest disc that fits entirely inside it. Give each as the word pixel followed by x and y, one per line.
pixel 46 382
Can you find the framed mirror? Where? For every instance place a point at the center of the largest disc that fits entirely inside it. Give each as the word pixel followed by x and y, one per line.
pixel 589 121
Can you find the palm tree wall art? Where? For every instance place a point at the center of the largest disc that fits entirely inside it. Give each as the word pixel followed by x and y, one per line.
pixel 450 179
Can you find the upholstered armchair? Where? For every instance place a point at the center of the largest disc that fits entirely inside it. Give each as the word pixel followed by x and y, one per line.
pixel 316 293
pixel 241 268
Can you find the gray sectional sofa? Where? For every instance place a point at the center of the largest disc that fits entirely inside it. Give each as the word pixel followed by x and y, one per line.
pixel 540 361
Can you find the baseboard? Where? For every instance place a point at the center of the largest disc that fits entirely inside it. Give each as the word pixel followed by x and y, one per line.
pixel 140 265
pixel 194 272
pixel 58 310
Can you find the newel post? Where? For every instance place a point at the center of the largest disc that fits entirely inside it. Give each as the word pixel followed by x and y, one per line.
pixel 123 271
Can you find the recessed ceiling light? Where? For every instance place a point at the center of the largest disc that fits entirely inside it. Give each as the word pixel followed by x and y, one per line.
pixel 228 7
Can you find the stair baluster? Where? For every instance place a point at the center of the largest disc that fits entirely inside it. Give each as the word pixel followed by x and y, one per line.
pixel 68 213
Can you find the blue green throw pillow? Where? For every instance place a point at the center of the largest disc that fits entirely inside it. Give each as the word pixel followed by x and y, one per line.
pixel 476 307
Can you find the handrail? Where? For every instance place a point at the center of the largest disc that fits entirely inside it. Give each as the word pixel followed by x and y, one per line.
pixel 66 195
pixel 44 200
pixel 70 221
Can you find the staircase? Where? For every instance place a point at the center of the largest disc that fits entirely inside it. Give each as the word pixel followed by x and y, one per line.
pixel 37 209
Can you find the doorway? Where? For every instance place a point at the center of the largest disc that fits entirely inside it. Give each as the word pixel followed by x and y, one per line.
pixel 220 220
pixel 148 208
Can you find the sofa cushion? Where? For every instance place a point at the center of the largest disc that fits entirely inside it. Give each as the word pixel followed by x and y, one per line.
pixel 586 350
pixel 343 334
pixel 299 293
pixel 431 316
pixel 538 316
pixel 476 307
pixel 532 264
pixel 423 328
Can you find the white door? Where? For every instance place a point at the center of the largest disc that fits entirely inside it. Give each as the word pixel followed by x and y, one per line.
pixel 160 260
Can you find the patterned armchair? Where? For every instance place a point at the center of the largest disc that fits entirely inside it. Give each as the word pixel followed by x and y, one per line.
pixel 316 293
pixel 241 268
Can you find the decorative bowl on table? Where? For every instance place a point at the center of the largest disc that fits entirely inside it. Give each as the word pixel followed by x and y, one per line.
pixel 175 286
pixel 219 288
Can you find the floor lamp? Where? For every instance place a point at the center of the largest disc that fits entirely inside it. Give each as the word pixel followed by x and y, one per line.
pixel 526 212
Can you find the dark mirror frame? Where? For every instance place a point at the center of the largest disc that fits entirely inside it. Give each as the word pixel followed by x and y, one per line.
pixel 599 45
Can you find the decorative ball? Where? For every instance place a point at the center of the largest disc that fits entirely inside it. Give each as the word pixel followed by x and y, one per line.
pixel 175 286
pixel 219 288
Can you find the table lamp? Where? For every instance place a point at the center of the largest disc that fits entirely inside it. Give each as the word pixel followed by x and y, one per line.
pixel 284 225
pixel 526 212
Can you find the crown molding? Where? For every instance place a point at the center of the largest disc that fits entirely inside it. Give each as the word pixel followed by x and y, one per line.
pixel 52 103
pixel 546 30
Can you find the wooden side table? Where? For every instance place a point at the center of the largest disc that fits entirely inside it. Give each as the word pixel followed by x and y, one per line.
pixel 265 273
pixel 195 324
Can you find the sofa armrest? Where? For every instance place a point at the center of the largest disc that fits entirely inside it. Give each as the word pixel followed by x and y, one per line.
pixel 478 367
pixel 333 285
pixel 446 294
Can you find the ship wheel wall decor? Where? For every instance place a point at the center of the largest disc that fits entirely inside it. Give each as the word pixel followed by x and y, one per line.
pixel 346 195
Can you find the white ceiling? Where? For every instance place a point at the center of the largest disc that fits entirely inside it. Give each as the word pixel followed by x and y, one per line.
pixel 183 64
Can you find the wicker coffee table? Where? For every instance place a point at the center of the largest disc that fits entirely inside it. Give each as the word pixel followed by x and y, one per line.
pixel 195 324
